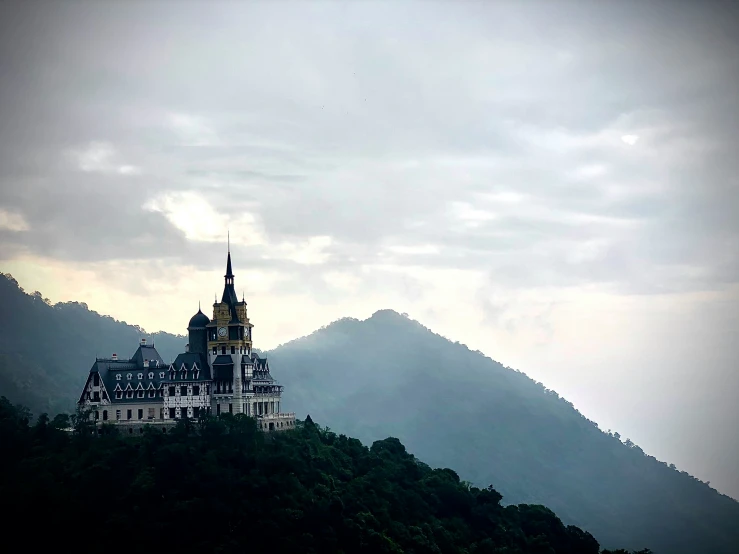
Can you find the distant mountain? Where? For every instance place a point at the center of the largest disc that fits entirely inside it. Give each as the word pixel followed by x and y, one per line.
pixel 390 376
pixel 452 407
pixel 46 351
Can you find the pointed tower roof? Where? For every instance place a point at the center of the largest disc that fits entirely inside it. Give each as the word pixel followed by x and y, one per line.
pixel 229 292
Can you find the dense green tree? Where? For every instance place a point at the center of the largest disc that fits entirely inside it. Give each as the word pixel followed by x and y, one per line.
pixel 216 485
pixel 450 406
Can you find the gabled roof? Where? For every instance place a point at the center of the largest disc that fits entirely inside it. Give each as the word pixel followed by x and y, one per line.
pixel 146 352
pixel 108 369
pixel 188 360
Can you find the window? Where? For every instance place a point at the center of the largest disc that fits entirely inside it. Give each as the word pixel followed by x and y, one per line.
pixel 161 375
pixel 151 375
pixel 183 391
pixel 233 350
pixel 117 415
pixel 171 391
pixel 215 351
pixel 218 409
pixel 97 415
pixel 128 414
pixel 183 375
pixel 196 412
pixel 129 393
pixel 161 413
pixel 105 415
pixel 96 379
pixel 96 396
pixel 152 393
pixel 141 413
pixel 140 376
pixel 129 376
pixel 172 412
pixel 140 393
pixel 223 349
pixel 230 408
pixel 118 394
pixel 207 389
pixel 183 412
pixel 195 390
pixel 118 377
pixel 151 413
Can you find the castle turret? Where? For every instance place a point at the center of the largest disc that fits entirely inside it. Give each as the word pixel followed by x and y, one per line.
pixel 197 333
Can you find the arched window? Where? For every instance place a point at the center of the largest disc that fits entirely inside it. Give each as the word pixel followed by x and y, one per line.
pixel 129 376
pixel 161 375
pixel 118 377
pixel 151 375
pixel 140 376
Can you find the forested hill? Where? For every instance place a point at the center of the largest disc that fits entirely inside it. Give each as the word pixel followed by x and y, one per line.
pixel 452 407
pixel 46 351
pixel 221 485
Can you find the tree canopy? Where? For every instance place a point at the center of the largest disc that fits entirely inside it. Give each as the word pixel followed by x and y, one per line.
pixel 218 484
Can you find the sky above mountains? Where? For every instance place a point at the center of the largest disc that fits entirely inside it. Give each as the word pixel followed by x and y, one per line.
pixel 552 183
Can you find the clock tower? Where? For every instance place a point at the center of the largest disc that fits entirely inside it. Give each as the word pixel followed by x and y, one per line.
pixel 229 350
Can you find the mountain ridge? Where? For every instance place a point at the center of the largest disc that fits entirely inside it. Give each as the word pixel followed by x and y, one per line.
pixel 451 406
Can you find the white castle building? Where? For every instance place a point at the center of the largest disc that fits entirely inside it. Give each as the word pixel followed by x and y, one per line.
pixel 218 373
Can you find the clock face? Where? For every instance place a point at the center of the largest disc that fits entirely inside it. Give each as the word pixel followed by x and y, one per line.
pixel 222 331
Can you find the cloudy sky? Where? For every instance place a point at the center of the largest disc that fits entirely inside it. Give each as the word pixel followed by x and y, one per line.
pixel 552 183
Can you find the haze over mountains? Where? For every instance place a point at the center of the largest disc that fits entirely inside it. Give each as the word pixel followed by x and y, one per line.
pixel 390 376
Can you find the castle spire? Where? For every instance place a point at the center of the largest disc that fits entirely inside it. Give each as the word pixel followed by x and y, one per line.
pixel 229 293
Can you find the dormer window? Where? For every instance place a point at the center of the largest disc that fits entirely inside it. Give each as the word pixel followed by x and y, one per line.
pixel 140 376
pixel 161 375
pixel 129 376
pixel 151 375
pixel 118 377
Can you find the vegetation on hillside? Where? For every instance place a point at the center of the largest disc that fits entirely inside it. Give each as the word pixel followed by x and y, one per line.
pixel 450 406
pixel 47 350
pixel 453 407
pixel 217 485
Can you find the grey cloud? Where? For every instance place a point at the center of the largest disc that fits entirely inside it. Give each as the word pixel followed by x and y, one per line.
pixel 337 120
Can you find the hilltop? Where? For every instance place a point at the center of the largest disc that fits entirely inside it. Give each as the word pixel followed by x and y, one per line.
pixel 452 407
pixel 455 407
pixel 237 489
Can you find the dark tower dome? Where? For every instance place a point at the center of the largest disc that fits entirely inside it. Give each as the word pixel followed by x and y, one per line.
pixel 198 320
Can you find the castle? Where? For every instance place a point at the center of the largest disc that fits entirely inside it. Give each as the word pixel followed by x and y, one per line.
pixel 218 373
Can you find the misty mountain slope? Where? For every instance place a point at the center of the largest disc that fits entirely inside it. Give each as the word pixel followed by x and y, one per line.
pixel 46 351
pixel 456 408
pixel 390 376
